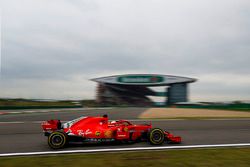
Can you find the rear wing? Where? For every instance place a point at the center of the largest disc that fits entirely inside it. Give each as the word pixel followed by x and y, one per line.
pixel 51 125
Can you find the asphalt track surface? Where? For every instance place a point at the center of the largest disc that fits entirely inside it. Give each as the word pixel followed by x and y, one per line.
pixel 23 133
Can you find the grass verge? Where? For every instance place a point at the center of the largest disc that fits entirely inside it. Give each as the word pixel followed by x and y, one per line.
pixel 6 104
pixel 239 157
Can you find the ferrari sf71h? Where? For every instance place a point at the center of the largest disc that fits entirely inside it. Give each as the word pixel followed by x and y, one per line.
pixel 100 129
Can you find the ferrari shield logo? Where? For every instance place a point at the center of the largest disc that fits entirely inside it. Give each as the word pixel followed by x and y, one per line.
pixel 97 133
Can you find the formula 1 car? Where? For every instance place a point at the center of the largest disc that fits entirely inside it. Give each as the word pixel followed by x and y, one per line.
pixel 99 129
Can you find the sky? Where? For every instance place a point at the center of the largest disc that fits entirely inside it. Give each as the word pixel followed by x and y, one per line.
pixel 50 49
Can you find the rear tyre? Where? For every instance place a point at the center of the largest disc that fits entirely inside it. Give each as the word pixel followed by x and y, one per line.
pixel 57 140
pixel 156 136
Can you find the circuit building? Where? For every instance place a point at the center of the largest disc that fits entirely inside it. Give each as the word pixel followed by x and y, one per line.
pixel 135 89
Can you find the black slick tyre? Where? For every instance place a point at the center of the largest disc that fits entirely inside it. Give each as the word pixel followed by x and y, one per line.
pixel 156 136
pixel 57 140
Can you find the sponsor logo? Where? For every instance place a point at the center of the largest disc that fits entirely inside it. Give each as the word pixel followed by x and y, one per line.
pixel 140 79
pixel 121 135
pixel 108 134
pixel 88 132
pixel 99 140
pixel 82 133
pixel 125 129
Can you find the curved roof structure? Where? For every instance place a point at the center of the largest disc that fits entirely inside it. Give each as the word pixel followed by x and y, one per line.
pixel 144 79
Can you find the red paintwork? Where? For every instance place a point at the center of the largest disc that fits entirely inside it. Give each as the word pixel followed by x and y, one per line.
pixel 101 128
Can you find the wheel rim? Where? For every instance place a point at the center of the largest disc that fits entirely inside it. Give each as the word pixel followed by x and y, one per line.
pixel 157 136
pixel 57 140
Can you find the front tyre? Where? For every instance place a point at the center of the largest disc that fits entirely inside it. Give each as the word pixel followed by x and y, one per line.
pixel 57 140
pixel 156 136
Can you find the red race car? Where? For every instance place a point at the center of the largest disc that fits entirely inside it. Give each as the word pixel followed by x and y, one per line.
pixel 99 129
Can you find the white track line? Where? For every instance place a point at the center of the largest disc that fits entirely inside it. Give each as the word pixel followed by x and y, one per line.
pixel 16 122
pixel 124 149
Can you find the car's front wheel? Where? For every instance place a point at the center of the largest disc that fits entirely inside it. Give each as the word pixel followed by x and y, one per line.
pixel 156 136
pixel 57 140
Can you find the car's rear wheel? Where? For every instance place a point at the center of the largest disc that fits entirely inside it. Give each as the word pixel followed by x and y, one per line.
pixel 156 136
pixel 57 140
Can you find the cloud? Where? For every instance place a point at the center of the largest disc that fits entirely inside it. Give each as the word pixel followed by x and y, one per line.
pixel 55 42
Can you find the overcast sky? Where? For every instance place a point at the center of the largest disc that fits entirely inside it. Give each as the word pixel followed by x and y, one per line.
pixel 51 48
